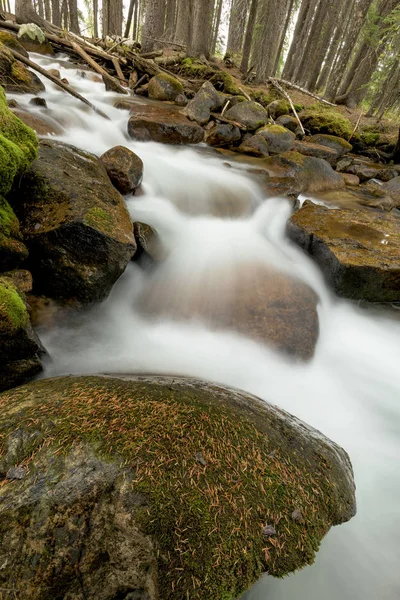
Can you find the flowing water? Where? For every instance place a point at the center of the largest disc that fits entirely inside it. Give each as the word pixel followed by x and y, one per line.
pixel 212 221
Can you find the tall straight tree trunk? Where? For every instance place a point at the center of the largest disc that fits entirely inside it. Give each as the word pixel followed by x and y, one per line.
pixel 183 20
pixel 65 15
pixel 73 16
pixel 244 66
pixel 40 8
pixel 56 13
pixel 311 54
pixel 170 18
pixel 283 36
pixel 216 26
pixel 153 24
pixel 96 18
pixel 112 17
pixel 135 32
pixel 302 50
pixel 293 53
pixel 128 25
pixel 200 38
pixel 47 10
pixel 237 25
pixel 272 21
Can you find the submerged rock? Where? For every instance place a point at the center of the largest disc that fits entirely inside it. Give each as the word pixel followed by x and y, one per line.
pixel 104 491
pixel 124 168
pixel 249 115
pixel 151 123
pixel 164 87
pixel 206 100
pixel 41 124
pixel 75 224
pixel 358 249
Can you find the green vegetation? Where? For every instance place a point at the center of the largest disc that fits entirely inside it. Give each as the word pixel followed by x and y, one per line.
pixel 99 219
pixel 206 519
pixel 9 225
pixel 13 313
pixel 195 69
pixel 319 119
pixel 261 97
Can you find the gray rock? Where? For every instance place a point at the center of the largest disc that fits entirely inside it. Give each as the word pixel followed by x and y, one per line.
pixel 249 115
pixel 205 101
pixel 223 135
pixel 153 123
pixel 278 138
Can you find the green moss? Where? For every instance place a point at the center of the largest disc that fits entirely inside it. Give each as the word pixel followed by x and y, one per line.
pixel 206 521
pixel 319 119
pixel 368 138
pixel 275 128
pixel 13 313
pixel 99 219
pixel 298 107
pixel 195 69
pixel 9 40
pixel 227 82
pixel 261 97
pixel 18 146
pixel 9 225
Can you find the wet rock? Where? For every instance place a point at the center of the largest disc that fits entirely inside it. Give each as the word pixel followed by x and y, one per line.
pixel 344 163
pixel 11 41
pixel 289 122
pixel 392 189
pixel 41 124
pixel 164 87
pixel 388 173
pixel 75 224
pixel 12 103
pixel 256 145
pixel 223 135
pixel 21 279
pixel 206 100
pixel 181 100
pixel 124 168
pixel 357 249
pixel 15 77
pixel 114 527
pixel 278 138
pixel 20 349
pixel 317 150
pixel 277 108
pixel 38 102
pixel 151 123
pixel 249 115
pixel 259 302
pixel 335 143
pixel 111 84
pixel 55 72
pixel 143 90
pixel 350 179
pixel 294 173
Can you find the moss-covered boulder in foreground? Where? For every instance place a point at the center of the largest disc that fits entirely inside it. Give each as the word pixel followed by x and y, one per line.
pixel 358 249
pixel 159 488
pixel 74 222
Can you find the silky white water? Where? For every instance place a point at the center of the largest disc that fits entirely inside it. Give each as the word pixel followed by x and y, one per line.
pixel 210 220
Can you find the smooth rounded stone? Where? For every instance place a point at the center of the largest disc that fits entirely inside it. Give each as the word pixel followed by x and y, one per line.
pixel 293 173
pixel 38 102
pixel 248 115
pixel 289 122
pixel 392 188
pixel 309 149
pixel 256 145
pixel 15 77
pixel 255 300
pixel 124 168
pixel 181 100
pixel 164 87
pixel 338 144
pixel 350 179
pixel 358 249
pixel 278 138
pixel 277 108
pixel 40 123
pixel 223 135
pixel 74 223
pixel 153 123
pixel 127 485
pixel 206 100
pixel 20 348
pixel 55 72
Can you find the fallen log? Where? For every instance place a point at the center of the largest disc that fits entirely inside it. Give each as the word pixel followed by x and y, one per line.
pixel 300 89
pixel 58 82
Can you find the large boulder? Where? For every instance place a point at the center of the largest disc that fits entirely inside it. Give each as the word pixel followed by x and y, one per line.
pixel 278 138
pixel 74 222
pixel 277 108
pixel 124 168
pixel 151 123
pixel 321 119
pixel 15 77
pixel 223 134
pixel 256 145
pixel 164 87
pixel 317 150
pixel 293 173
pixel 335 143
pixel 257 301
pixel 358 249
pixel 20 349
pixel 144 487
pixel 248 115
pixel 206 100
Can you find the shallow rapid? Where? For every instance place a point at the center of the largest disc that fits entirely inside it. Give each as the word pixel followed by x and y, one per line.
pixel 211 219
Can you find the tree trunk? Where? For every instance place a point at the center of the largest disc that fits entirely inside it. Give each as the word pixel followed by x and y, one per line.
pixel 183 20
pixel 283 36
pixel 244 66
pixel 200 38
pixel 129 19
pixel 153 25
pixel 47 10
pixel 135 32
pixel 216 26
pixel 312 47
pixel 237 25
pixel 112 17
pixel 40 8
pixel 293 55
pixel 64 13
pixel 56 13
pixel 170 18
pixel 73 16
pixel 272 21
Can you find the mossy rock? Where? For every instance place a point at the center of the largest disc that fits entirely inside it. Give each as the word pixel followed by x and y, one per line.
pixel 11 41
pixel 206 100
pixel 318 119
pixel 74 222
pixel 15 77
pixel 13 313
pixel 278 138
pixel 12 250
pixel 162 487
pixel 224 82
pixel 164 87
pixel 261 97
pixel 248 115
pixel 277 108
pixel 195 69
